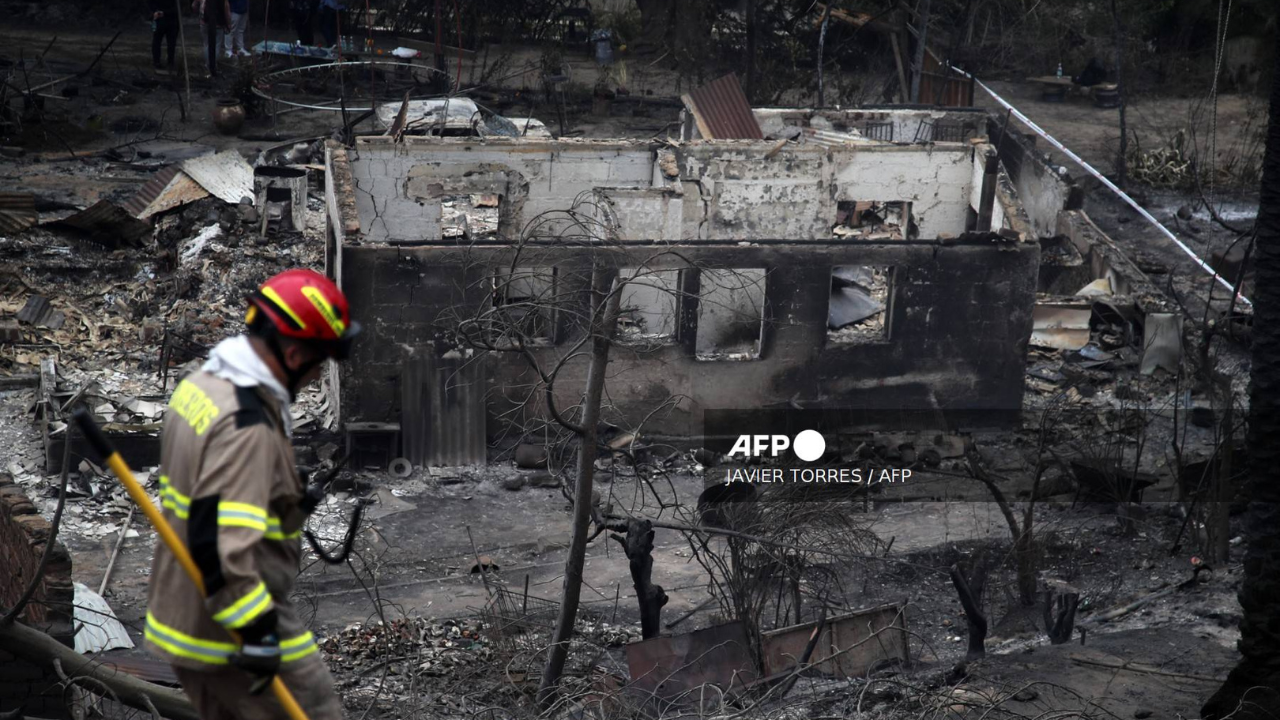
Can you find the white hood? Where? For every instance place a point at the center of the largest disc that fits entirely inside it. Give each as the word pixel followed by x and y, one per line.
pixel 235 361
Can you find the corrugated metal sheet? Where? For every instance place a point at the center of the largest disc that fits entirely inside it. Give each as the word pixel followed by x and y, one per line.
pixel 671 667
pixel 722 111
pixel 442 419
pixel 107 224
pixel 38 312
pixel 225 175
pixel 167 189
pixel 17 211
pixel 98 627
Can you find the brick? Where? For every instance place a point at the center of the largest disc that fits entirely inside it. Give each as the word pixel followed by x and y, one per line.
pixel 35 527
pixel 15 501
pixel 59 563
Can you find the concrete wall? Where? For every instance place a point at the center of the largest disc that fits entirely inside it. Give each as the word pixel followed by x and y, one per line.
pixel 1044 189
pixel 1007 212
pixel 342 226
pixel 959 319
pixel 23 532
pixel 794 193
pixel 398 187
pixel 648 212
pixel 725 190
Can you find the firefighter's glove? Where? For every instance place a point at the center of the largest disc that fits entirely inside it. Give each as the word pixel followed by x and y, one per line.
pixel 311 498
pixel 259 655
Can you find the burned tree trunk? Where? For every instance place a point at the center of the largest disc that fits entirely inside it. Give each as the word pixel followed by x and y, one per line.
pixel 1060 616
pixel 604 318
pixel 638 546
pixel 822 46
pixel 750 84
pixel 970 591
pixel 1252 690
pixel 657 21
pixel 1025 563
pixel 922 49
pixel 42 650
pixel 1024 555
pixel 1122 156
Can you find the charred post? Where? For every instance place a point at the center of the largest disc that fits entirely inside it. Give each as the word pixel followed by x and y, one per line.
pixel 970 590
pixel 638 546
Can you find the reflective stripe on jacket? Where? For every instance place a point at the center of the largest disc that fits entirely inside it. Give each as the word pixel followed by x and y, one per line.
pixel 229 488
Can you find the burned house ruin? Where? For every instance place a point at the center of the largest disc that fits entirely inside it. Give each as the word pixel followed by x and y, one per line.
pixel 890 276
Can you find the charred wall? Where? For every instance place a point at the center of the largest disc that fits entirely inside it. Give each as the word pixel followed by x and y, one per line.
pixel 958 320
pixel 722 190
pixel 1044 189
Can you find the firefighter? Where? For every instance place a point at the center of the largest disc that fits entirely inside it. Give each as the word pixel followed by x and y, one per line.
pixel 230 489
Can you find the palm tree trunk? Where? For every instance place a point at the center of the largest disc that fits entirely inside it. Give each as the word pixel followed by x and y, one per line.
pixel 1254 685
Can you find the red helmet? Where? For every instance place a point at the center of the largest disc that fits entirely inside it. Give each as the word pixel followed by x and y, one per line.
pixel 305 305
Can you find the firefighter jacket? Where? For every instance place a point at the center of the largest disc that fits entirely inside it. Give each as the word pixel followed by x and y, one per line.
pixel 229 488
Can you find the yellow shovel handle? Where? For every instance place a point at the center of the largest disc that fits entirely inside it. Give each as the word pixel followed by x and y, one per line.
pixel 103 447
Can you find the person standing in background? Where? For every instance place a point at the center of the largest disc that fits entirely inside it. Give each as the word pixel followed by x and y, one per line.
pixel 329 10
pixel 303 12
pixel 164 25
pixel 215 16
pixel 235 31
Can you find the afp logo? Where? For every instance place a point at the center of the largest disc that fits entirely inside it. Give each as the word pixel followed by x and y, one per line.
pixel 808 445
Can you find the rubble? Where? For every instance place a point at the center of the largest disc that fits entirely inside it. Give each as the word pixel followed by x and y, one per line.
pixel 111 294
pixel 389 663
pixel 114 327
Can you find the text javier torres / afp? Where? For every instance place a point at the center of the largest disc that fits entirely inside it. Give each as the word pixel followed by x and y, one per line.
pixel 816 475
